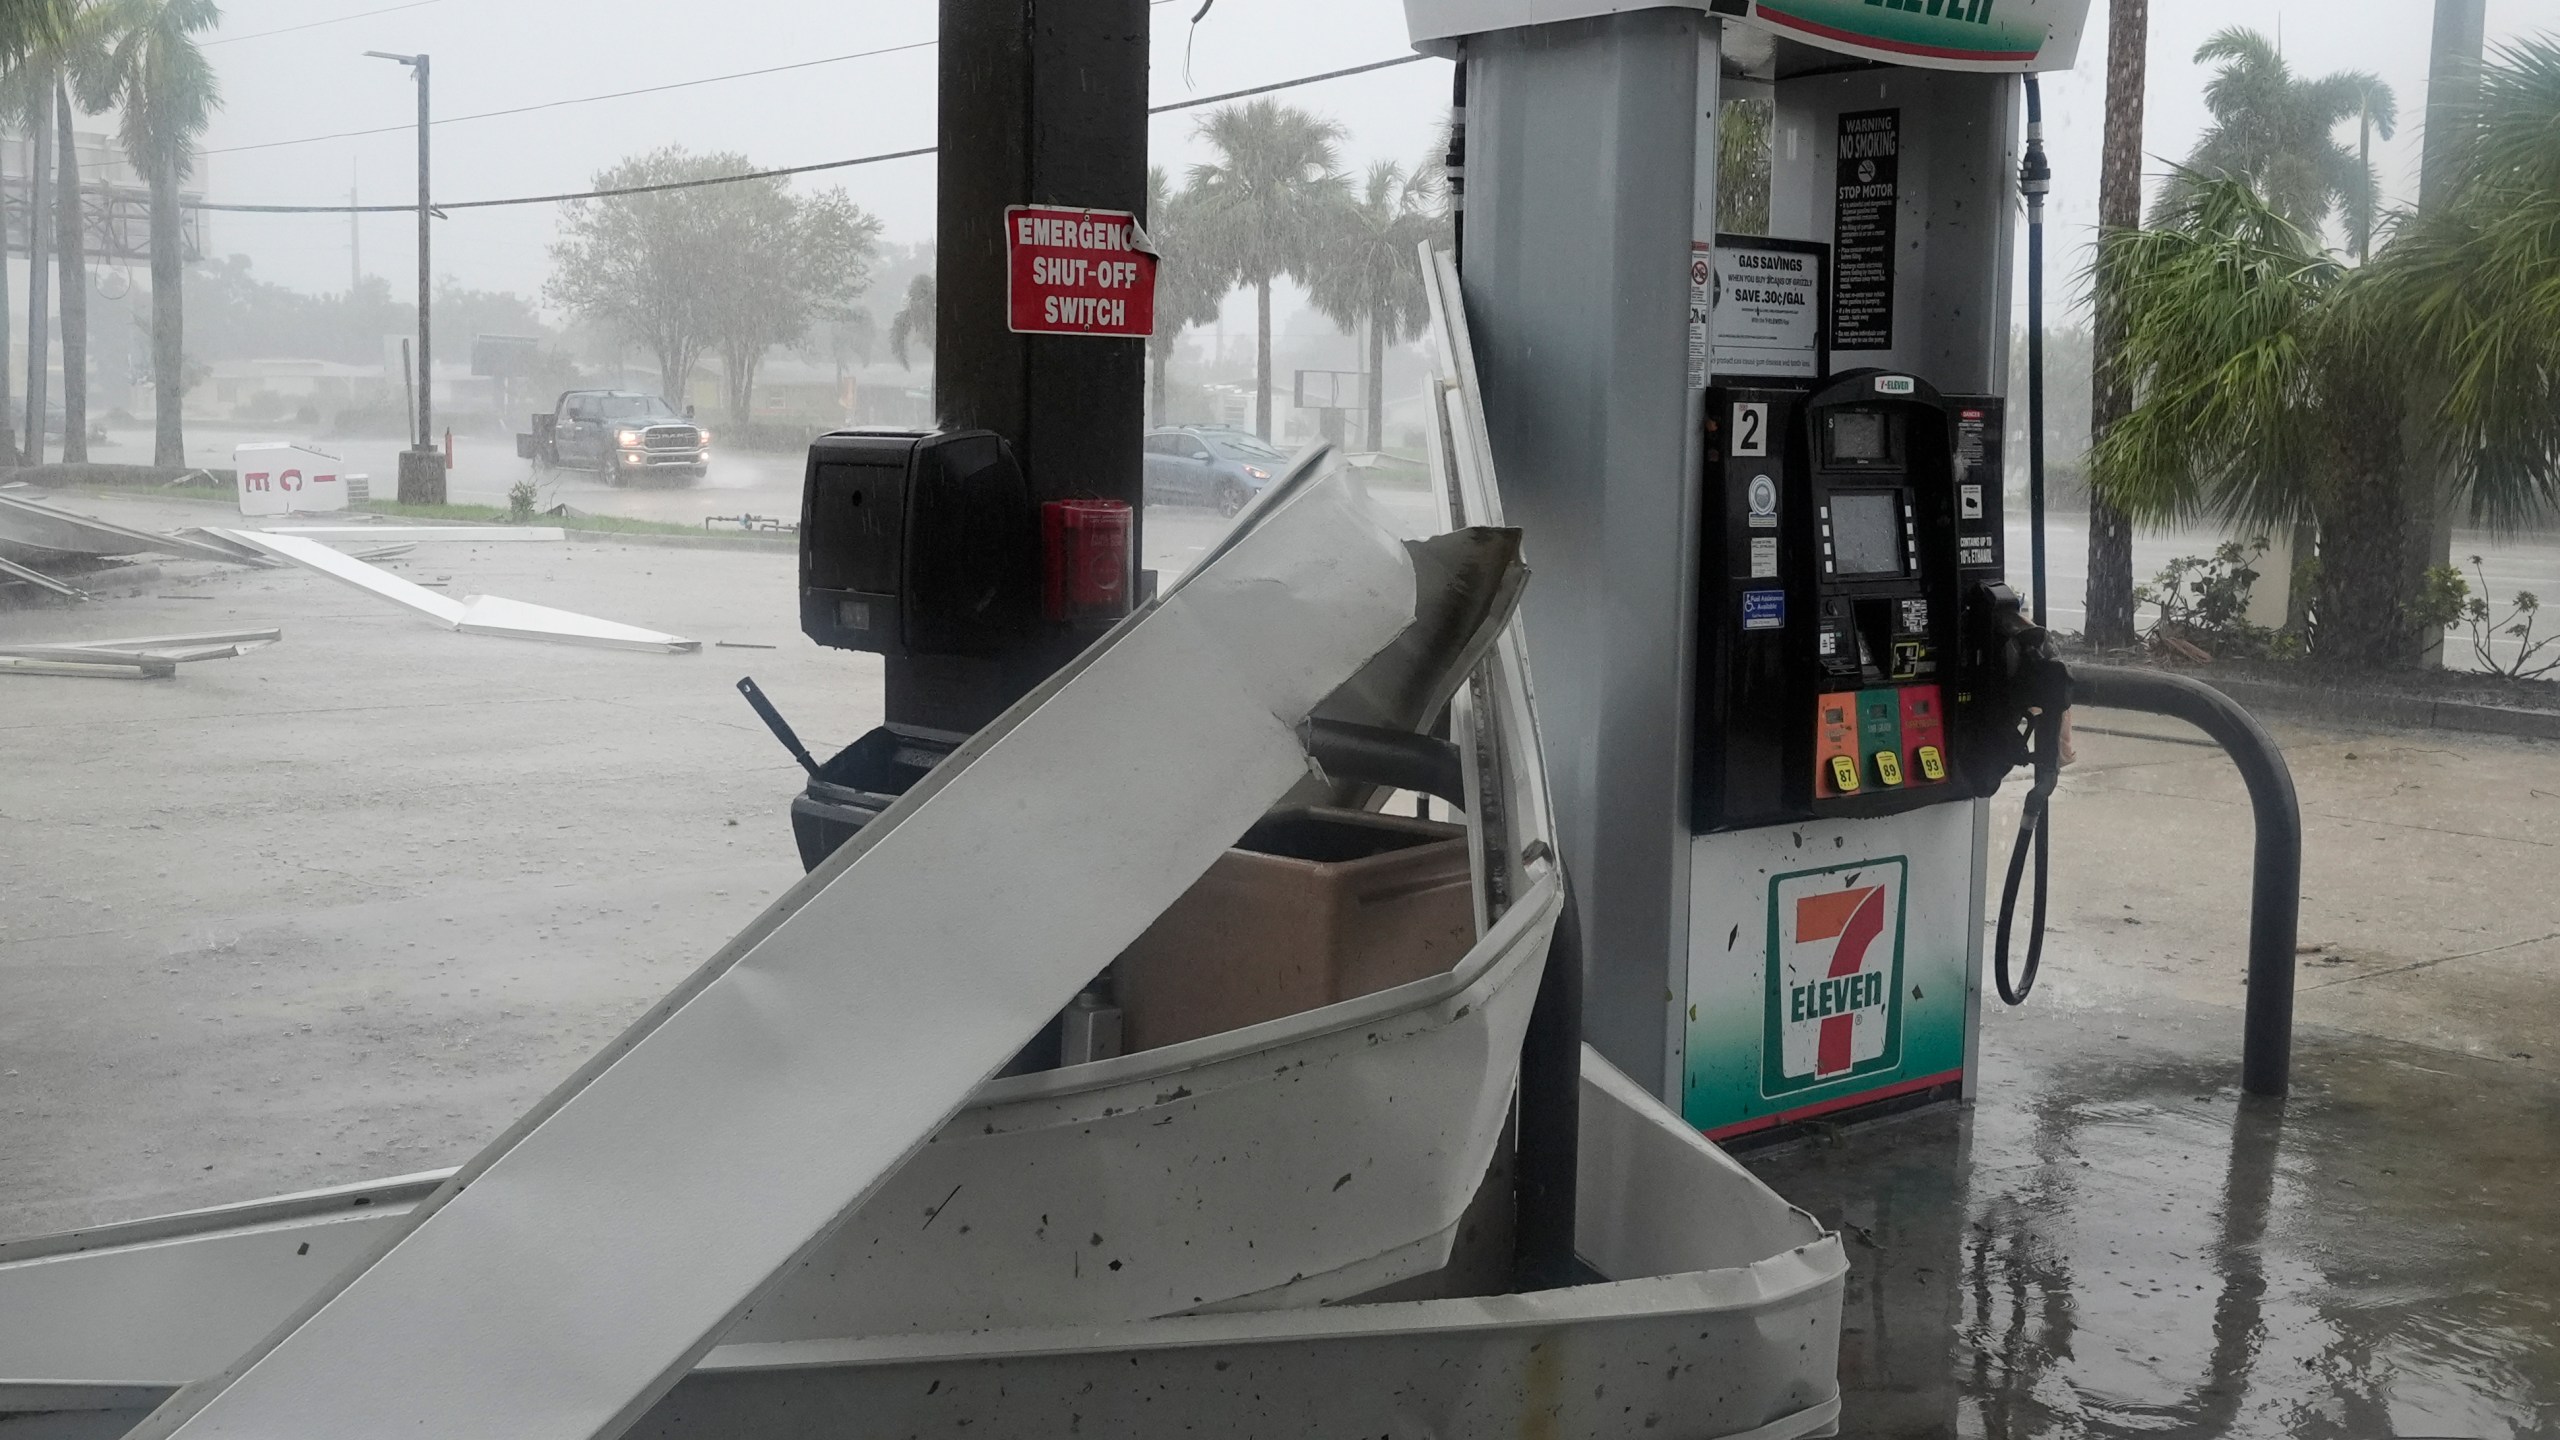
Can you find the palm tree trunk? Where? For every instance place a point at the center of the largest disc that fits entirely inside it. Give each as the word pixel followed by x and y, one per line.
pixel 75 290
pixel 2109 622
pixel 1163 357
pixel 1377 385
pixel 8 422
pixel 1262 357
pixel 2370 539
pixel 39 217
pixel 168 320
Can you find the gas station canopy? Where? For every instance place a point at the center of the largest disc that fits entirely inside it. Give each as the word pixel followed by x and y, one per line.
pixel 1929 34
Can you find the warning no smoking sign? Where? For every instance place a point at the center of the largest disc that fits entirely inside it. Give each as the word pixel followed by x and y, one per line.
pixel 1078 272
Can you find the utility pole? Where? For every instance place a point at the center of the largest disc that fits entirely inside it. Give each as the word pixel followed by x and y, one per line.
pixel 1040 105
pixel 2453 87
pixel 422 477
pixel 355 236
pixel 2108 621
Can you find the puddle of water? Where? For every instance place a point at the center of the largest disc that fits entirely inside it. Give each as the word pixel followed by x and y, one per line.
pixel 2111 1242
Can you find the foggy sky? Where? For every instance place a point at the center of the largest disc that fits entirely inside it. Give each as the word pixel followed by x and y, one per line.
pixel 491 54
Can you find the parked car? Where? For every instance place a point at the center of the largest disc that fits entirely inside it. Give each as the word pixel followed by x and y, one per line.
pixel 1207 465
pixel 621 434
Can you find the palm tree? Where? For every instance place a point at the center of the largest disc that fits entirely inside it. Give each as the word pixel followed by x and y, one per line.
pixel 26 105
pixel 1262 205
pixel 25 26
pixel 2276 131
pixel 2272 391
pixel 167 93
pixel 1368 273
pixel 2377 113
pixel 1189 281
pixel 80 72
pixel 913 324
pixel 2107 621
pixel 2478 277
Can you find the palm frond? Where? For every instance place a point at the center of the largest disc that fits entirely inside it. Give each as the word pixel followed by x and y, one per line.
pixel 2478 280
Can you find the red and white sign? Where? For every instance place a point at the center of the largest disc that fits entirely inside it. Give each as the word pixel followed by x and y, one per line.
pixel 1078 272
pixel 279 479
pixel 1838 951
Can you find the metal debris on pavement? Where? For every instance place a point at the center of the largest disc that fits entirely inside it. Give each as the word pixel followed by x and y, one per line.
pixel 476 615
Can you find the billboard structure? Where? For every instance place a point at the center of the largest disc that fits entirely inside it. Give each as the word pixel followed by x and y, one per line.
pixel 115 204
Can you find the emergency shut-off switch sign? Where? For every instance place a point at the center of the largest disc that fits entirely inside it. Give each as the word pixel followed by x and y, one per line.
pixel 1078 272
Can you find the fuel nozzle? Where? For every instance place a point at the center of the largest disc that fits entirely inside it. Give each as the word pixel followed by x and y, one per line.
pixel 2030 692
pixel 2025 686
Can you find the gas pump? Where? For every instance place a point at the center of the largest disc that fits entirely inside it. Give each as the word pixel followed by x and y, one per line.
pixel 1760 477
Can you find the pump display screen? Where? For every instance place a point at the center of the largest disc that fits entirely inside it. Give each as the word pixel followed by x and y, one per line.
pixel 1860 436
pixel 1866 530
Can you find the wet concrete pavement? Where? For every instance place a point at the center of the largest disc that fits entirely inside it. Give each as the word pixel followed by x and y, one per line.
pixel 2112 1241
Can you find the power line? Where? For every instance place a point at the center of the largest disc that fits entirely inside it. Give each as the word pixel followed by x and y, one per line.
pixel 747 175
pixel 1287 84
pixel 575 100
pixel 567 195
pixel 316 24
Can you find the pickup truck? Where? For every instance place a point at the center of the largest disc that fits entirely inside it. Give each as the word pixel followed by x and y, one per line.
pixel 622 433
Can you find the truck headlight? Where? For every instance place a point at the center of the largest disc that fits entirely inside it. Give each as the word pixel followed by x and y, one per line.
pixel 705 441
pixel 627 437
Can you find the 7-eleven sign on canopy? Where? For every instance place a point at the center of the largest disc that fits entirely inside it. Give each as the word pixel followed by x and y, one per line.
pixel 1835 974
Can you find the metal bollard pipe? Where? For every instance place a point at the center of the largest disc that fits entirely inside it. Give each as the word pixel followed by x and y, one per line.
pixel 2275 894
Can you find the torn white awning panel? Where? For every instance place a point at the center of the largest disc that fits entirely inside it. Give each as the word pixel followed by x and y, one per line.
pixel 479 615
pixel 347 569
pixel 574 1270
pixel 523 620
pixel 42 529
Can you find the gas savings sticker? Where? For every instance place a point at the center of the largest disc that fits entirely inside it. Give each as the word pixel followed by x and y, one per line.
pixel 1835 970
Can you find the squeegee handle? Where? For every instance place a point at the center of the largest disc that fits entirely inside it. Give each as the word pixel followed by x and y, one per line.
pixel 774 722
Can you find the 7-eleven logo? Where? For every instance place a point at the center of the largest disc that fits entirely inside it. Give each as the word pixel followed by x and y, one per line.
pixel 1835 966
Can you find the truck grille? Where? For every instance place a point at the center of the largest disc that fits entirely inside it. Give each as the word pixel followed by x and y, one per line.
pixel 671 437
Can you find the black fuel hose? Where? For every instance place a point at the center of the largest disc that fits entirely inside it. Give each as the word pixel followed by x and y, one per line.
pixel 2035 177
pixel 2035 828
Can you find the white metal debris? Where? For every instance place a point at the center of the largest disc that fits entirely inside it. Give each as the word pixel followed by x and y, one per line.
pixel 348 570
pixel 32 531
pixel 1719 1319
pixel 476 533
pixel 522 620
pixel 476 615
pixel 40 580
pixel 580 1266
pixel 115 669
pixel 150 650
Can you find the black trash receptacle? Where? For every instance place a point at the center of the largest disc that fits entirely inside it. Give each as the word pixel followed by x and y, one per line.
pixel 850 790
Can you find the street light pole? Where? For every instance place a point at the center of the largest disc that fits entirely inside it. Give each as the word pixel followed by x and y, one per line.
pixel 422 477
